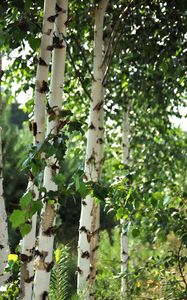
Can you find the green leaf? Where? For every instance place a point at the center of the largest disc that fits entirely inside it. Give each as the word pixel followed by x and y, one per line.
pixel 65 113
pixel 119 213
pixel 36 206
pixel 51 202
pixel 25 229
pixel 25 200
pixel 17 218
pixel 77 182
pixel 34 42
pixel 76 126
pixel 83 189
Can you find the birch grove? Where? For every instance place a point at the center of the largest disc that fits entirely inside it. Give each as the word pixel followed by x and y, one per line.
pixel 38 130
pixel 44 260
pixel 89 219
pixel 124 237
pixel 76 163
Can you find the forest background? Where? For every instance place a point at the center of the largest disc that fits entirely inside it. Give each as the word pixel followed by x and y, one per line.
pixel 145 46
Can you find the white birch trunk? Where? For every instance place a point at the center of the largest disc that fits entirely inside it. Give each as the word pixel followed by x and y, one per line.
pixel 4 246
pixel 1 74
pixel 124 238
pixel 96 207
pixel 38 128
pixel 89 219
pixel 44 260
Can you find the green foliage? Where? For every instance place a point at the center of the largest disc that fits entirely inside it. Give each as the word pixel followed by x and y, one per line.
pixel 108 283
pixel 59 283
pixel 19 218
pixel 11 290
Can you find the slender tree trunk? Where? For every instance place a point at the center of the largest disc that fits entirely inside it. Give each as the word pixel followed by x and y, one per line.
pixel 89 219
pixel 124 238
pixel 96 207
pixel 44 260
pixel 38 128
pixel 1 74
pixel 4 246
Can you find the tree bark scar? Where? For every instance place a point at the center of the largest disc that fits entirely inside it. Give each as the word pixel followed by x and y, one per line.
pixel 101 128
pixel 83 229
pixel 50 231
pixel 95 232
pixel 48 32
pixel 25 258
pixel 38 253
pixel 84 203
pixel 51 19
pixel 79 270
pixel 42 62
pixel 45 295
pixel 102 160
pixel 91 126
pixel 49 266
pixel 98 106
pixel 1 247
pixel 49 48
pixel 85 254
pixel 100 141
pixel 55 167
pixel 91 158
pixel 58 43
pixel 29 280
pixel 60 9
pixel 85 177
pixel 88 277
pixel 42 87
pixel 89 237
pixel 33 127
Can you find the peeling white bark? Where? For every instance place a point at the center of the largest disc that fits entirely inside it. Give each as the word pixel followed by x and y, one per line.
pixel 38 128
pixel 44 260
pixel 4 246
pixel 89 219
pixel 124 237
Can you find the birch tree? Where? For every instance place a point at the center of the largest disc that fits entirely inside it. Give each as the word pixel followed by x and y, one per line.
pixel 44 259
pixel 124 237
pixel 89 219
pixel 38 129
pixel 4 245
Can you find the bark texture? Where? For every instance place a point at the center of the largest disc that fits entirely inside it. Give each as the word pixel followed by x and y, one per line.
pixel 89 219
pixel 4 246
pixel 44 259
pixel 38 130
pixel 124 237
